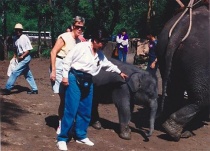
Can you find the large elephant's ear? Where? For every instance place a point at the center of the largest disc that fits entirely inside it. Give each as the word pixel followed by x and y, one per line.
pixel 133 82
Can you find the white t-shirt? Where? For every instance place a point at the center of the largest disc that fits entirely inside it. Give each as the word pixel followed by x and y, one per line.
pixel 22 44
pixel 69 43
pixel 82 59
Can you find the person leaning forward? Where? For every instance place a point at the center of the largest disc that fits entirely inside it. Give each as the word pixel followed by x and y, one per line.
pixel 81 63
pixel 63 45
pixel 22 48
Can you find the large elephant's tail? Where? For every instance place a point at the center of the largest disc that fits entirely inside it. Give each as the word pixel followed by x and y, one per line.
pixel 171 48
pixel 173 44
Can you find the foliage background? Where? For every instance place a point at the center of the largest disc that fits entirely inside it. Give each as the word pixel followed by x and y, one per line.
pixel 110 15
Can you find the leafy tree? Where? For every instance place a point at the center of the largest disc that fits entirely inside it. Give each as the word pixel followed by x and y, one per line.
pixel 111 15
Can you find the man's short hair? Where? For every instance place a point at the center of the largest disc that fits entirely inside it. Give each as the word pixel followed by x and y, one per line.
pixel 99 36
pixel 78 19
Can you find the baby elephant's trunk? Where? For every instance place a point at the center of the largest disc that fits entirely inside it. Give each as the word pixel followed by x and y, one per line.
pixel 153 110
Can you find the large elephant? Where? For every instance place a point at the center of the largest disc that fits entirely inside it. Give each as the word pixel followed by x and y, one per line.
pixel 184 64
pixel 109 87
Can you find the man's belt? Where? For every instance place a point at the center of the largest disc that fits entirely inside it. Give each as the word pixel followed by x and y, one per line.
pixel 83 79
pixel 80 73
pixel 57 56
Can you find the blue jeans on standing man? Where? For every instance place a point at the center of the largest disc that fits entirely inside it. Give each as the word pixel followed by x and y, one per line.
pixel 22 68
pixel 122 54
pixel 78 105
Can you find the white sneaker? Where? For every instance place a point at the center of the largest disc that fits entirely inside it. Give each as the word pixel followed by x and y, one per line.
pixel 85 141
pixel 62 145
pixel 58 131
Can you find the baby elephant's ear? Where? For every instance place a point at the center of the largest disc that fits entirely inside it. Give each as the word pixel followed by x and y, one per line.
pixel 133 82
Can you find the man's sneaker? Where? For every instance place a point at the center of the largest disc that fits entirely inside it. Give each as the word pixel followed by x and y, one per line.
pixel 32 92
pixel 5 92
pixel 85 141
pixel 58 131
pixel 62 145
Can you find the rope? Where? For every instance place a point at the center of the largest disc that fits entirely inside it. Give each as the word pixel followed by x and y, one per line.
pixel 190 26
pixel 197 2
pixel 190 5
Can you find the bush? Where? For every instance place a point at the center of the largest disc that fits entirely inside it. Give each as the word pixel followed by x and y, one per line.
pixel 46 53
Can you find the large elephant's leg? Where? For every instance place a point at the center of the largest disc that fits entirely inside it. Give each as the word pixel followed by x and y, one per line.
pixel 174 125
pixel 175 92
pixel 121 98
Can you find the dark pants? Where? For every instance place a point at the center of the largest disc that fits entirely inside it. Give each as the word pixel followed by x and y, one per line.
pixel 122 54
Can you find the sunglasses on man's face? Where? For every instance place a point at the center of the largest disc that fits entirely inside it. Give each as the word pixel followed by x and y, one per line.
pixel 79 27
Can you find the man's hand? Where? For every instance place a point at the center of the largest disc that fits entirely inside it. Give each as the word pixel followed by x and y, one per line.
pixel 20 57
pixel 53 76
pixel 153 65
pixel 123 75
pixel 65 81
pixel 14 56
pixel 23 55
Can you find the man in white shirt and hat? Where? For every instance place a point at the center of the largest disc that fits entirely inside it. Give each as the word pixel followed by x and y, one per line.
pixel 21 52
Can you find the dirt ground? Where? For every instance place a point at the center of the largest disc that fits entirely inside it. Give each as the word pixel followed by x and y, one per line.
pixel 28 122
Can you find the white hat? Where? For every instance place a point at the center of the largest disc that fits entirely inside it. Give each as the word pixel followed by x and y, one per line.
pixel 18 26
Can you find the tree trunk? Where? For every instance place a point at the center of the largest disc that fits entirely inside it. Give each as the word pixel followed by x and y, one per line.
pixel 4 27
pixel 52 24
pixel 150 2
pixel 39 38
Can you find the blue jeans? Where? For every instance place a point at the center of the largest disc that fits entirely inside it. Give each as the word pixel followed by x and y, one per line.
pixel 78 105
pixel 22 68
pixel 122 54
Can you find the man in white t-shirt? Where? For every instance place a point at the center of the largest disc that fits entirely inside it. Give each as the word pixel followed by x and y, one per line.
pixel 21 52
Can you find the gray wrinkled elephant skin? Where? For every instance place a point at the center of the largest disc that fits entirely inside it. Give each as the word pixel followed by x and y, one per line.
pixel 185 66
pixel 109 87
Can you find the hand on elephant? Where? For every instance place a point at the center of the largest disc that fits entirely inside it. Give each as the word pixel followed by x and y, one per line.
pixel 123 75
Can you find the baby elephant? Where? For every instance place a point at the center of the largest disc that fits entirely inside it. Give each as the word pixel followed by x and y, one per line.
pixel 139 87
